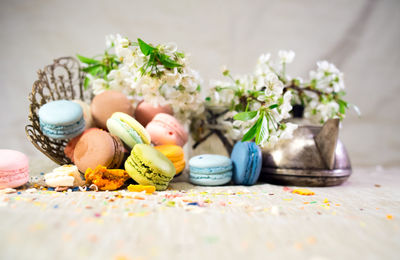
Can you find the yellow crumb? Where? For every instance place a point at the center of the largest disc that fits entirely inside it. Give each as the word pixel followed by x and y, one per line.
pixel 303 191
pixel 140 188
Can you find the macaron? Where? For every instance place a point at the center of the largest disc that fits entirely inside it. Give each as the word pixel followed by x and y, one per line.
pixel 145 112
pixel 108 102
pixel 14 169
pixel 61 119
pixel 166 129
pixel 87 115
pixel 98 147
pixel 70 147
pixel 130 131
pixel 148 166
pixel 246 159
pixel 175 154
pixel 210 170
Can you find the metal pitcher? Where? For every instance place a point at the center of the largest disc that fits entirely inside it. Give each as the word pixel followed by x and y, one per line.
pixel 313 157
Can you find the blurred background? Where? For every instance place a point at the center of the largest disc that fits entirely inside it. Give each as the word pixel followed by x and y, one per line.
pixel 361 37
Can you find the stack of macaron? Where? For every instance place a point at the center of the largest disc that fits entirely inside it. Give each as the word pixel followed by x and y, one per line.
pixel 106 132
pixel 243 167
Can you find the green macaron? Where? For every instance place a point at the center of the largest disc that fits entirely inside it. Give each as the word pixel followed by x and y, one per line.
pixel 130 131
pixel 147 166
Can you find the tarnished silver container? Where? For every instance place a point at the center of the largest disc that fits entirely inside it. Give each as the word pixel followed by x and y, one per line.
pixel 313 157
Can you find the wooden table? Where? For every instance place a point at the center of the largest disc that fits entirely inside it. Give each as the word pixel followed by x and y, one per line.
pixel 358 220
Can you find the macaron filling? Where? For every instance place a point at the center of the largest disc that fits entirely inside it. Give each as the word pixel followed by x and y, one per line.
pixel 63 130
pixel 210 170
pixel 14 177
pixel 138 139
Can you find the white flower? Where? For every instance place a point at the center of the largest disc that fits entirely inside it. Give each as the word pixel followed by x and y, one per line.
pixel 327 77
pixel 286 56
pixel 121 42
pixel 320 112
pixel 264 58
pixel 110 39
pixel 288 132
pixel 325 66
pixel 170 48
pixel 286 106
pixel 98 86
pixel 273 85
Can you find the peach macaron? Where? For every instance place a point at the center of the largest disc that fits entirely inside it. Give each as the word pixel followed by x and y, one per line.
pixel 98 147
pixel 145 112
pixel 107 103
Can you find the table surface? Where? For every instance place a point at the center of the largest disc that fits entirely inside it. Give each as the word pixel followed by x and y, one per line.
pixel 357 220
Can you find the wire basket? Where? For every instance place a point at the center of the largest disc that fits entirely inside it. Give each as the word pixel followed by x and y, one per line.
pixel 61 80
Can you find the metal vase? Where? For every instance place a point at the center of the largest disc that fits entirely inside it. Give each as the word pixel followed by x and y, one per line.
pixel 313 157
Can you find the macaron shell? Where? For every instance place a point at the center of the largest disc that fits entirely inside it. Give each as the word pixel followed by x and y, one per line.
pixel 256 165
pixel 145 112
pixel 128 129
pixel 14 169
pixel 210 180
pixel 246 159
pixel 165 129
pixel 107 103
pixel 98 147
pixel 210 164
pixel 60 112
pixel 179 166
pixel 175 154
pixel 70 147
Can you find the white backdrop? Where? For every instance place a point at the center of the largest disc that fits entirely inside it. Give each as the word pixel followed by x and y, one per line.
pixel 362 37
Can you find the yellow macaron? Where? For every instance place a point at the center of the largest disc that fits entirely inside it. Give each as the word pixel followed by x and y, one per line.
pixel 175 154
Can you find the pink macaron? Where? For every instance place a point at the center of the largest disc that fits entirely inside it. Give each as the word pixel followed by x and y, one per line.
pixel 14 169
pixel 166 129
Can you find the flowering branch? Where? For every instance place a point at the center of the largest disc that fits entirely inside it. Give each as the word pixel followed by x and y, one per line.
pixel 260 103
pixel 157 74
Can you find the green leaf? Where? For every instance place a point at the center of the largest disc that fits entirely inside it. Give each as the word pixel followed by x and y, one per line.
pixel 94 70
pixel 273 106
pixel 244 116
pixel 87 60
pixel 343 105
pixel 168 62
pixel 225 73
pixel 252 132
pixel 144 47
pixel 180 54
pixel 208 99
pixel 198 89
pixel 86 83
pixel 262 130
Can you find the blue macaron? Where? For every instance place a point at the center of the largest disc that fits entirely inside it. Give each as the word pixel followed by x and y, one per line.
pixel 61 119
pixel 210 170
pixel 246 158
